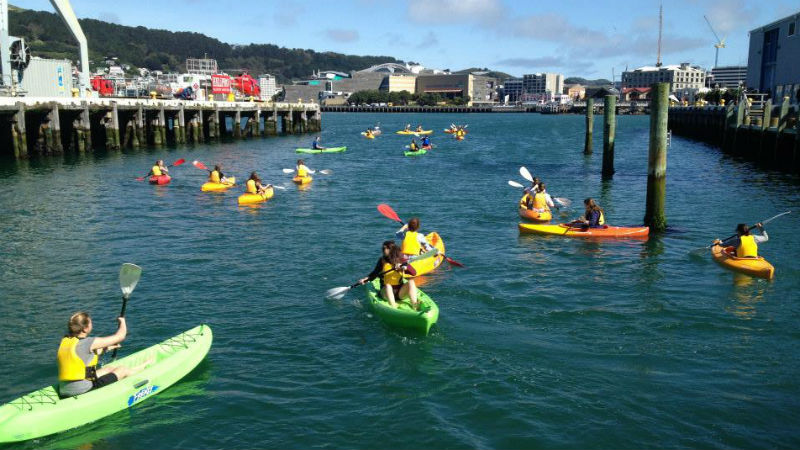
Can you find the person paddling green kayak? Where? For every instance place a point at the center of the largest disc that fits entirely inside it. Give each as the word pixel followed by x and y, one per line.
pixel 78 354
pixel 392 265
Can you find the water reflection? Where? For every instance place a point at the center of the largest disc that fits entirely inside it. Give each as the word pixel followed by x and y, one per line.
pixel 747 292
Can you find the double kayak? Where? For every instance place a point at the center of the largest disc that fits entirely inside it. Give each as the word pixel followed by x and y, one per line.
pixel 251 199
pixel 452 131
pixel 373 135
pixel 416 153
pixel 218 187
pixel 302 180
pixel 43 412
pixel 415 132
pixel 535 216
pixel 570 231
pixel 160 179
pixel 426 265
pixel 315 152
pixel 404 316
pixel 756 267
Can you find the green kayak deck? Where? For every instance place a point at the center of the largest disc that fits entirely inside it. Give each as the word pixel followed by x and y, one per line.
pixel 404 316
pixel 42 412
pixel 327 150
pixel 416 153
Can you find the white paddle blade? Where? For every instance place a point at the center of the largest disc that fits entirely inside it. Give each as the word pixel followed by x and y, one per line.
pixel 515 184
pixel 773 218
pixel 336 293
pixel 129 276
pixel 280 187
pixel 525 174
pixel 428 254
pixel 326 171
pixel 288 170
pixel 565 202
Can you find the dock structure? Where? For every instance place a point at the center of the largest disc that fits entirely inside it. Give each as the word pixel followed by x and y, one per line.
pixel 44 125
pixel 765 133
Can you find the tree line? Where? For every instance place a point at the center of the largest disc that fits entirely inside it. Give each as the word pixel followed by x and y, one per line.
pixel 403 98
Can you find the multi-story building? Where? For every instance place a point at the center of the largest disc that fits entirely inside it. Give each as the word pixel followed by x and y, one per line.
pixel 727 77
pixel 399 83
pixel 480 89
pixel 679 77
pixel 542 83
pixel 512 87
pixel 266 83
pixel 575 91
pixel 773 64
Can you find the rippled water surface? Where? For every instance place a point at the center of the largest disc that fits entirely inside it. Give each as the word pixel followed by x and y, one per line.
pixel 541 342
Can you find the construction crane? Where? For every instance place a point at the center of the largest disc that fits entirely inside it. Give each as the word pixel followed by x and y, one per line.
pixel 720 42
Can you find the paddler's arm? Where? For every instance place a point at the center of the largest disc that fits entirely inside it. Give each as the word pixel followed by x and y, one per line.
pixel 116 338
pixel 374 274
pixel 408 269
pixel 763 237
pixel 423 242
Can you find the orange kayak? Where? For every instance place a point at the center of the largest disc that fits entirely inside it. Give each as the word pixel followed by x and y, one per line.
pixel 535 216
pixel 756 267
pixel 567 230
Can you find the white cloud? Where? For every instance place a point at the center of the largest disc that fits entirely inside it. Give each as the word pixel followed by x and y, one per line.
pixel 475 11
pixel 341 35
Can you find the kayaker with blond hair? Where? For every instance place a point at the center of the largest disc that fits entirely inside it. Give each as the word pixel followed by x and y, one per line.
pixel 78 354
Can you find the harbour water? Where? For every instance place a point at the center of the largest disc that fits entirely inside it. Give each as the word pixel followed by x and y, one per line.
pixel 541 342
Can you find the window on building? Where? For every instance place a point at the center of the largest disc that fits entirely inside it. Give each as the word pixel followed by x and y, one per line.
pixel 791 28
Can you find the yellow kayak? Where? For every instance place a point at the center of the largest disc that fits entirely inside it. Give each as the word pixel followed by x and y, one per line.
pixel 251 199
pixel 756 267
pixel 302 180
pixel 426 265
pixel 415 132
pixel 217 187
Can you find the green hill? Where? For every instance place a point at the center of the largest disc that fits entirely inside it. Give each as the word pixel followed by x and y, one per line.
pixel 165 50
pixel 502 76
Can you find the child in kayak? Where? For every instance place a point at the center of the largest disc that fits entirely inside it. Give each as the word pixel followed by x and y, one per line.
pixel 255 186
pixel 158 169
pixel 412 241
pixel 78 354
pixel 316 144
pixel 216 175
pixel 537 200
pixel 392 287
pixel 301 169
pixel 745 244
pixel 413 145
pixel 594 217
pixel 426 142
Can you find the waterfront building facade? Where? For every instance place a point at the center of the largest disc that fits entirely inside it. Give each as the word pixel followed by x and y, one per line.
pixel 399 83
pixel 512 88
pixel 575 91
pixel 267 86
pixel 727 77
pixel 679 77
pixel 541 83
pixel 773 64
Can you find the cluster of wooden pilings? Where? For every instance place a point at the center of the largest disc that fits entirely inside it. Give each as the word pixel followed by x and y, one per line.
pixel 767 134
pixel 43 126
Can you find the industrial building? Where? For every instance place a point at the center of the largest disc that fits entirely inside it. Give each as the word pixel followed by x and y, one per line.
pixel 773 64
pixel 727 77
pixel 267 86
pixel 539 84
pixel 512 89
pixel 479 88
pixel 679 77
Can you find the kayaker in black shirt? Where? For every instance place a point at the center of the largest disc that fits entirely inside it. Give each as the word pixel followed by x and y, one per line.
pixel 392 287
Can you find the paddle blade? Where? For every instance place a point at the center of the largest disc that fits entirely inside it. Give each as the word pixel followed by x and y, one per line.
pixel 199 165
pixel 453 262
pixel 514 184
pixel 326 172
pixel 563 201
pixel 387 211
pixel 336 293
pixel 129 276
pixel 179 162
pixel 773 218
pixel 525 174
pixel 279 187
pixel 428 254
pixel 288 170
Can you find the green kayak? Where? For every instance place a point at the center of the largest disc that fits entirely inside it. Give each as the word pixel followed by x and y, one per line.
pixel 404 316
pixel 327 150
pixel 416 153
pixel 42 412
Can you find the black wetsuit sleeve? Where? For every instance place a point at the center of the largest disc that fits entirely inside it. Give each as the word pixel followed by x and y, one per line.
pixel 376 271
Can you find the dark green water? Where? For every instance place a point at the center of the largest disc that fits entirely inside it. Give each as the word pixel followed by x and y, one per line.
pixel 541 342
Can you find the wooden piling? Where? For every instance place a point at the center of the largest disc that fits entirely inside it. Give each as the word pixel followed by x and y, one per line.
pixel 19 133
pixel 587 143
pixel 237 124
pixel 162 125
pixel 657 159
pixel 55 128
pixel 115 126
pixel 609 131
pixel 141 131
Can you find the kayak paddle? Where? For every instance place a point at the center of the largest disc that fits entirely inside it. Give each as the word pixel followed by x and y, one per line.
pixel 514 184
pixel 199 165
pixel 338 292
pixel 763 222
pixel 387 211
pixel 565 202
pixel 525 174
pixel 129 276
pixel 323 171
pixel 176 163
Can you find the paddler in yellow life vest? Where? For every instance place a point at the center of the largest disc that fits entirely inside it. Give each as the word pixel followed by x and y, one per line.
pixel 537 199
pixel 158 169
pixel 408 127
pixel 413 146
pixel 412 242
pixel 78 354
pixel 216 175
pixel 301 170
pixel 594 217
pixel 368 133
pixel 393 287
pixel 419 129
pixel 746 244
pixel 254 185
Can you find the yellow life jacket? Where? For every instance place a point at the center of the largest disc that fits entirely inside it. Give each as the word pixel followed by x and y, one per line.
pixel 156 171
pixel 540 202
pixel 70 365
pixel 302 171
pixel 747 248
pixel 523 202
pixel 214 178
pixel 413 146
pixel 251 187
pixel 410 244
pixel 602 220
pixel 393 278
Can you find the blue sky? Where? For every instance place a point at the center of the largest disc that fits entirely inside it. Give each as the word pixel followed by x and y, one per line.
pixel 580 38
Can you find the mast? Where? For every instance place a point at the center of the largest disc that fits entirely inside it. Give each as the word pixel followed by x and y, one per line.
pixel 660 26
